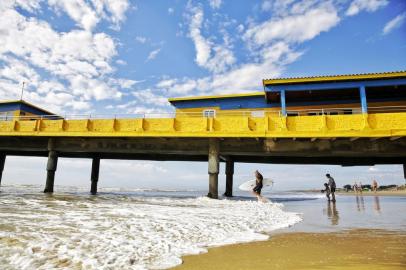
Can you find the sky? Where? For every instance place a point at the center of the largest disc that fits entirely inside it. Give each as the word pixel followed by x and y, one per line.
pixel 128 57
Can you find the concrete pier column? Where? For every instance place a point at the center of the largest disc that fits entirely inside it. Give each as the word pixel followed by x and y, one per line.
pixel 404 171
pixel 2 161
pixel 229 178
pixel 51 169
pixel 214 150
pixel 94 178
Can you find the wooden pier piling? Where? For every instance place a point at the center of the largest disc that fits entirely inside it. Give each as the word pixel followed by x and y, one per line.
pixel 2 162
pixel 94 178
pixel 229 177
pixel 51 169
pixel 214 149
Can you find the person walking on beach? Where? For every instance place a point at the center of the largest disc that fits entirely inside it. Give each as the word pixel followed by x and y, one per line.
pixel 374 186
pixel 355 187
pixel 258 186
pixel 332 186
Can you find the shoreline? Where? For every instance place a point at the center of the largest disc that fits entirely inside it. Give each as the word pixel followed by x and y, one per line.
pixel 352 249
pixel 357 232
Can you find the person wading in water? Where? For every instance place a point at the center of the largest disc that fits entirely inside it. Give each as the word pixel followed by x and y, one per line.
pixel 332 186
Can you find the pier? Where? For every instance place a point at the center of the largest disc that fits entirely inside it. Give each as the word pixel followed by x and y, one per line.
pixel 348 140
pixel 343 120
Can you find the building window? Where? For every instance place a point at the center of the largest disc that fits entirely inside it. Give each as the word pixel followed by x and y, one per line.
pixel 209 113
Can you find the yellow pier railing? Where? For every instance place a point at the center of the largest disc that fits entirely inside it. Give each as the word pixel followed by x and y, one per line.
pixel 266 126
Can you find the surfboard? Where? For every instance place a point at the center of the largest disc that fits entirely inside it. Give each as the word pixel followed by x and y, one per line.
pixel 249 185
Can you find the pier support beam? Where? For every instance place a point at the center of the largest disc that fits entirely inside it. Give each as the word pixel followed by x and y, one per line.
pixel 2 161
pixel 94 178
pixel 229 178
pixel 214 150
pixel 51 169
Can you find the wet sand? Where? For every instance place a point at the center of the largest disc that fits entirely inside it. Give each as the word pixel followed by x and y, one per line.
pixel 355 249
pixel 355 233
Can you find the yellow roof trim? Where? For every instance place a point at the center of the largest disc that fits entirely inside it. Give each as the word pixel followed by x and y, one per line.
pixel 217 96
pixel 383 75
pixel 28 104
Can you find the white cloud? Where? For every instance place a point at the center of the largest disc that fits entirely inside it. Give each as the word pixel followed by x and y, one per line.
pixel 394 23
pixel 121 62
pixel 214 57
pixel 153 54
pixel 166 83
pixel 266 5
pixel 294 28
pixel 367 5
pixel 117 10
pixel 272 43
pixel 202 46
pixel 221 59
pixel 28 5
pixel 149 97
pixel 215 4
pixel 79 11
pixel 141 39
pixel 87 14
pixel 171 10
pixel 74 65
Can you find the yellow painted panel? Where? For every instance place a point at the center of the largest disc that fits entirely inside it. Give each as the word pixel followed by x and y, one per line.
pixel 127 125
pixel 345 122
pixel 102 125
pixel 7 126
pixel 76 125
pixel 159 125
pixel 304 123
pixel 23 126
pixel 276 123
pixel 387 120
pixel 51 125
pixel 185 124
pixel 231 124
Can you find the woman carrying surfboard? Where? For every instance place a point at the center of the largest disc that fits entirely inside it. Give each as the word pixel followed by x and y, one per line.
pixel 258 187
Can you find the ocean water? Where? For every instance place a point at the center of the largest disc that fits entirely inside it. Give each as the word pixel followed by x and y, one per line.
pixel 126 229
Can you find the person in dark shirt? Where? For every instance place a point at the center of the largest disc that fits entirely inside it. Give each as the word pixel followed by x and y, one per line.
pixel 332 186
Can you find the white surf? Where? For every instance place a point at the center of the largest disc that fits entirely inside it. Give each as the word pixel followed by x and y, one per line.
pixel 113 231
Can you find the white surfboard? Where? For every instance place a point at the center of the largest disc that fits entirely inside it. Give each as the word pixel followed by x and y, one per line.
pixel 249 185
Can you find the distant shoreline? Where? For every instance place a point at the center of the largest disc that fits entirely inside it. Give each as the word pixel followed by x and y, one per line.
pixel 371 193
pixel 401 192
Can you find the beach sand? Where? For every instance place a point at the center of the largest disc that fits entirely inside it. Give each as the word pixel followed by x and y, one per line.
pixel 356 233
pixel 355 249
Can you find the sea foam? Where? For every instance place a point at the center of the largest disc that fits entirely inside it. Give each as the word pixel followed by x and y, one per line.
pixel 113 231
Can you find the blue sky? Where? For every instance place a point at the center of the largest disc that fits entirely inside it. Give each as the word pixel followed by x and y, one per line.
pixel 120 56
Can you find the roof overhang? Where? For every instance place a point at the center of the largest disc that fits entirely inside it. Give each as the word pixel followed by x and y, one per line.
pixel 252 94
pixel 335 78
